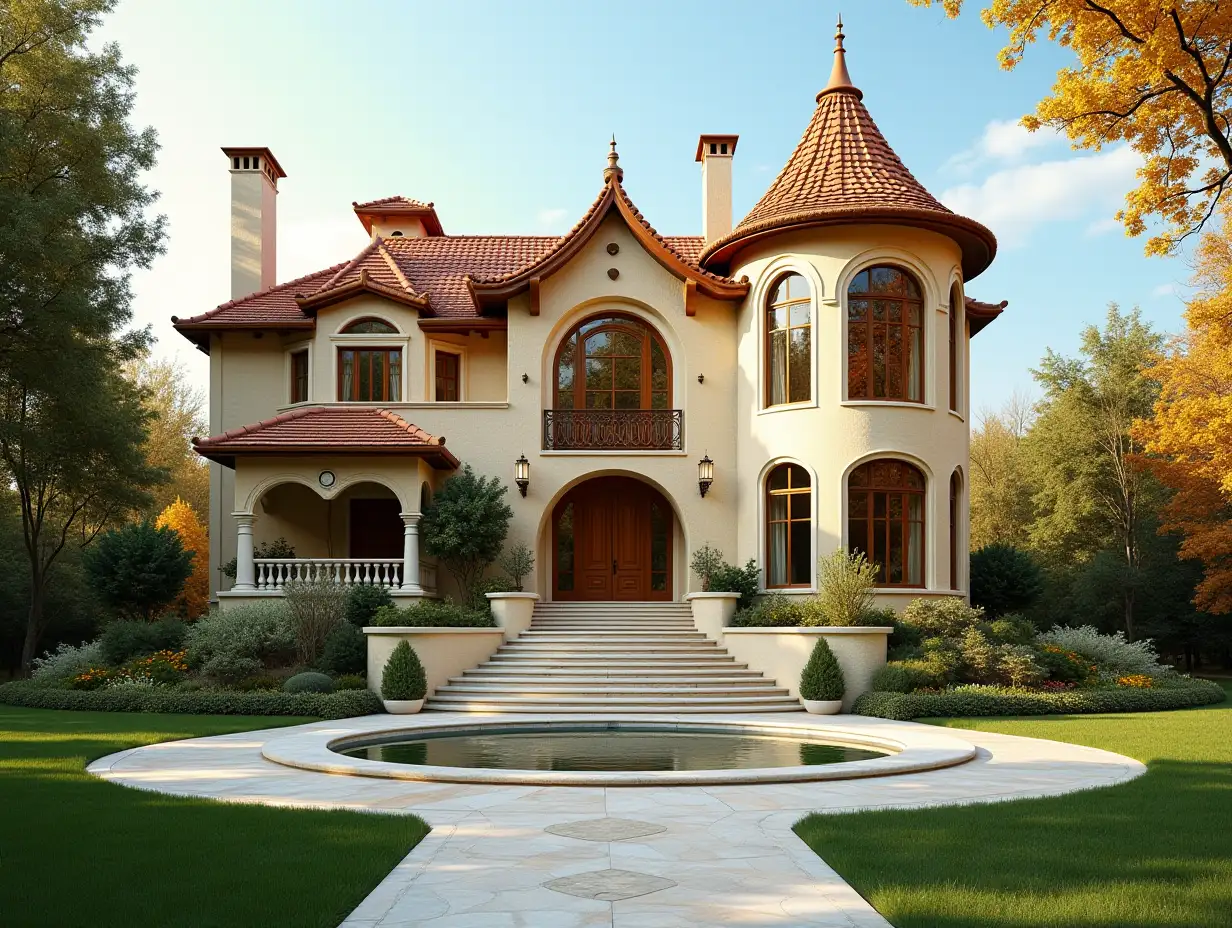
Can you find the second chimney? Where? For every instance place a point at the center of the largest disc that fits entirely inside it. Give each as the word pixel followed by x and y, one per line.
pixel 715 154
pixel 254 219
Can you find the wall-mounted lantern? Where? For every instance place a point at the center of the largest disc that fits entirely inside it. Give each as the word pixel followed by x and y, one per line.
pixel 521 473
pixel 705 474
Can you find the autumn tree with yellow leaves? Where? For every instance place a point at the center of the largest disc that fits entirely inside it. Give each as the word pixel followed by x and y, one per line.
pixel 1189 438
pixel 1155 75
pixel 194 599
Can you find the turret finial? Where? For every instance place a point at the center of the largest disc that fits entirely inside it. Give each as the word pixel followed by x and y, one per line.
pixel 613 168
pixel 840 80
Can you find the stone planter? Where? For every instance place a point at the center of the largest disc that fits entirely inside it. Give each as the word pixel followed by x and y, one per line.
pixel 712 612
pixel 402 706
pixel 443 652
pixel 512 611
pixel 822 706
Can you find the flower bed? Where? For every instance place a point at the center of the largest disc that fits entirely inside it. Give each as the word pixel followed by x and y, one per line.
pixel 338 705
pixel 998 700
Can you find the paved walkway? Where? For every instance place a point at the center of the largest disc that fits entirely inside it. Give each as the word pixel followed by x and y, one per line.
pixel 501 856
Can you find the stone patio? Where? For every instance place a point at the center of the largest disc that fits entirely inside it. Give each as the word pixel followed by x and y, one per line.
pixel 633 857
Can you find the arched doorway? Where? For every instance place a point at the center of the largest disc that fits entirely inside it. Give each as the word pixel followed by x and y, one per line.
pixel 612 540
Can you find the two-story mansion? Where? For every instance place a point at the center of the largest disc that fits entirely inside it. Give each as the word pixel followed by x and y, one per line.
pixel 776 389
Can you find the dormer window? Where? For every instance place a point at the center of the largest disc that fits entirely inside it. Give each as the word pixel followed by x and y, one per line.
pixel 369 326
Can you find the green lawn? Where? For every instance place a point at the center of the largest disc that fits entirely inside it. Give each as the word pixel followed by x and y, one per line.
pixel 76 851
pixel 1153 853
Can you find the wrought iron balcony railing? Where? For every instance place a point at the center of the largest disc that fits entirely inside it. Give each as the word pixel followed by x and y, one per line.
pixel 613 429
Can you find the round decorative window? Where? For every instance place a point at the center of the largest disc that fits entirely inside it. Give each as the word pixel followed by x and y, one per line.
pixel 326 478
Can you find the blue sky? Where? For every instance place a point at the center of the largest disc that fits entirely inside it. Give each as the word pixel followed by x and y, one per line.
pixel 500 114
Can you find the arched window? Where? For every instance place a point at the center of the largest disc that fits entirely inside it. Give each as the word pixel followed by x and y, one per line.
pixel 789 527
pixel 613 362
pixel 955 512
pixel 955 346
pixel 885 337
pixel 789 341
pixel 885 520
pixel 369 326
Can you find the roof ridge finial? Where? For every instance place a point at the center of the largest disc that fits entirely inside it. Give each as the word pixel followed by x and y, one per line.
pixel 613 168
pixel 840 80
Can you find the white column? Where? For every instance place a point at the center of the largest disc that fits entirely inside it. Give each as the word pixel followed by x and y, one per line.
pixel 245 570
pixel 410 553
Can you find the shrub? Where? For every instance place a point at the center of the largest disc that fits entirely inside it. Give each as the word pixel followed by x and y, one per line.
pixel 779 611
pixel 430 613
pixel 138 569
pixel 66 662
pixel 705 561
pixel 182 699
pixel 1011 629
pixel 892 678
pixel 1018 666
pixel 268 682
pixel 362 602
pixel 308 682
pixel 350 681
pixel 517 562
pixel 744 580
pixel 317 607
pixel 1109 652
pixel 228 646
pixel 822 677
pixel 1004 579
pixel 279 547
pixel 121 641
pixel 845 584
pixel 947 616
pixel 996 700
pixel 465 526
pixel 163 668
pixel 345 651
pixel 404 675
pixel 1065 666
pixel 488 585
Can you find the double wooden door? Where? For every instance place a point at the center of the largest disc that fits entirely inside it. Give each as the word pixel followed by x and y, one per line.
pixel 612 540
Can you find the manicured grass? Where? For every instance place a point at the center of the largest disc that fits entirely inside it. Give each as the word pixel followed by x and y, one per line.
pixel 77 851
pixel 1152 853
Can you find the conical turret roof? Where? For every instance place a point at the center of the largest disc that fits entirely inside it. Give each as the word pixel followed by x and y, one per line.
pixel 843 170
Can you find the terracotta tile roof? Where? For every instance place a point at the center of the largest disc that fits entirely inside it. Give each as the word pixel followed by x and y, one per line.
pixel 264 309
pixel 689 247
pixel 843 169
pixel 980 314
pixel 332 429
pixel 395 201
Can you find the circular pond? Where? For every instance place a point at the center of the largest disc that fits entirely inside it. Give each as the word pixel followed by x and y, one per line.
pixel 629 748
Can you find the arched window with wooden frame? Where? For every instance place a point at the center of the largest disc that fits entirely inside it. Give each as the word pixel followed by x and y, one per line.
pixel 885 520
pixel 955 520
pixel 957 347
pixel 885 336
pixel 789 527
pixel 369 325
pixel 613 388
pixel 789 342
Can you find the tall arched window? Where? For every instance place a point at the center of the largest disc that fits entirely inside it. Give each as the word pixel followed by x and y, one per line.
pixel 885 336
pixel 885 520
pixel 789 527
pixel 613 362
pixel 789 342
pixel 955 346
pixel 955 512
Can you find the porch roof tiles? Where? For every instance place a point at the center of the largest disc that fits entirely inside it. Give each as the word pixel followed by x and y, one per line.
pixel 328 429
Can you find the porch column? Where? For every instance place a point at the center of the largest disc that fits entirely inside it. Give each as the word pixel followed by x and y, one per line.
pixel 410 553
pixel 245 570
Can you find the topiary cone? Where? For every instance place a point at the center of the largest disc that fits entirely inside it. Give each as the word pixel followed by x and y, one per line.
pixel 404 678
pixel 822 679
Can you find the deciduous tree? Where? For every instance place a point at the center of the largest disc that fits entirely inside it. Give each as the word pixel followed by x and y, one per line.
pixel 194 598
pixel 179 416
pixel 1001 507
pixel 1157 76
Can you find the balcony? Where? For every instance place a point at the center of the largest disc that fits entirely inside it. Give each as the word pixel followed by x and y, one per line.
pixel 613 429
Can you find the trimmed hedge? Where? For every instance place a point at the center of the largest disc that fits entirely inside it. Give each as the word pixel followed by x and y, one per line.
pixel 340 705
pixel 430 613
pixel 993 700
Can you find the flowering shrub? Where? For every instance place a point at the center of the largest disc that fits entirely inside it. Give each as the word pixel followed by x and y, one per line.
pixel 92 678
pixel 118 680
pixel 1109 652
pixel 1057 686
pixel 1139 680
pixel 161 668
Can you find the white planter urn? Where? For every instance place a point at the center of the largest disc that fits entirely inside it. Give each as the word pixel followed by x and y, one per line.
pixel 402 706
pixel 822 706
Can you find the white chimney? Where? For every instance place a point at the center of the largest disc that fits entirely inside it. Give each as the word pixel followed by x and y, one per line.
pixel 715 153
pixel 254 218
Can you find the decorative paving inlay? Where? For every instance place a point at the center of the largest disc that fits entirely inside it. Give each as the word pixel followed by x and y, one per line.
pixel 606 829
pixel 729 849
pixel 609 885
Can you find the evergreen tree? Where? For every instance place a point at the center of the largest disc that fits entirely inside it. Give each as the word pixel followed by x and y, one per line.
pixel 465 526
pixel 139 569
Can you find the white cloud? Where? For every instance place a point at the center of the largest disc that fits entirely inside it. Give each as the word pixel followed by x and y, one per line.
pixel 1172 289
pixel 551 217
pixel 1003 140
pixel 1103 226
pixel 1014 200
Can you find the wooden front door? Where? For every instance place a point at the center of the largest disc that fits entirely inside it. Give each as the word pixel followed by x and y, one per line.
pixel 612 540
pixel 376 528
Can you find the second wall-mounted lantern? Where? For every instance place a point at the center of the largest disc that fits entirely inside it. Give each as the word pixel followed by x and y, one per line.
pixel 521 473
pixel 705 474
